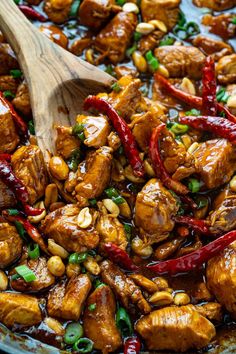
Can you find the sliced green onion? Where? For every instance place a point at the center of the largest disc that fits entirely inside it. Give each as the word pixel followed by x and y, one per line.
pixel 182 19
pixel 222 95
pixel 113 194
pixel 166 41
pixel 116 87
pixel 26 273
pixel 15 277
pixel 109 69
pixel 17 2
pixel 222 114
pixel 92 307
pixel 78 131
pixel 201 202
pixel 234 20
pixel 76 258
pixel 8 94
pixel 93 201
pixel 73 333
pixel 128 230
pixel 98 284
pixel 31 127
pixel 74 160
pixel 194 185
pixel 152 61
pixel 21 231
pixel 137 36
pixel 13 212
pixel 83 345
pixel 120 150
pixel 131 50
pixel 193 112
pixel 123 322
pixel 192 29
pixel 74 8
pixel 120 2
pixel 34 252
pixel 16 73
pixel 180 32
pixel 179 129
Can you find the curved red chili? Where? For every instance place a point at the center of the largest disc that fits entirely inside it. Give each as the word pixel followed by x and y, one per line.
pixel 32 14
pixel 195 259
pixel 124 132
pixel 158 165
pixel 217 125
pixel 21 125
pixel 193 101
pixel 196 224
pixel 31 211
pixel 132 345
pixel 119 256
pixel 209 102
pixel 6 157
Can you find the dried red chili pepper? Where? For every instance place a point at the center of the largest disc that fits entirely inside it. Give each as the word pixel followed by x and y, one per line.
pixel 209 102
pixel 6 157
pixel 31 211
pixel 122 129
pixel 132 345
pixel 21 125
pixel 195 259
pixel 29 228
pixel 193 101
pixel 217 125
pixel 196 224
pixel 32 14
pixel 119 256
pixel 158 165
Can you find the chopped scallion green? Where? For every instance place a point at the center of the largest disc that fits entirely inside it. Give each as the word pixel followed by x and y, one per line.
pixel 74 160
pixel 83 345
pixel 92 307
pixel 131 50
pixel 116 87
pixel 193 112
pixel 31 127
pixel 78 131
pixel 166 41
pixel 222 95
pixel 76 258
pixel 16 73
pixel 194 185
pixel 33 252
pixel 74 8
pixel 123 322
pixel 20 229
pixel 234 20
pixel 152 61
pixel 179 129
pixel 120 2
pixel 26 273
pixel 93 201
pixel 137 36
pixel 8 94
pixel 73 333
pixel 13 212
pixel 113 194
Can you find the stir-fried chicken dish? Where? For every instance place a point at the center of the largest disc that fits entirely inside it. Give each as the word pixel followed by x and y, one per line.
pixel 123 239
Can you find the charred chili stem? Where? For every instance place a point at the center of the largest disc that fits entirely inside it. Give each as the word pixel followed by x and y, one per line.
pixel 209 102
pixel 122 129
pixel 195 259
pixel 158 165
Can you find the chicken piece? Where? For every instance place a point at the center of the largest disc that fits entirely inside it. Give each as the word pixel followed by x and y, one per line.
pixel 110 229
pixel 209 46
pixel 114 39
pixel 226 70
pixel 221 278
pixel 155 206
pixel 175 328
pixel 214 162
pixel 28 165
pixel 10 244
pixel 223 216
pixel 94 13
pixel 44 279
pixel 149 41
pixel 124 287
pixel 123 70
pixel 166 11
pixel 9 136
pixel 128 98
pixel 143 124
pixel 19 309
pixel 161 96
pixel 211 310
pixel 8 83
pixel 94 174
pixel 66 300
pixel 218 5
pixel 22 100
pixel 99 324
pixel 7 198
pixel 66 143
pixel 61 225
pixel 55 34
pixel 181 61
pixel 220 25
pixel 57 10
pixel 7 59
pixel 96 130
pixel 79 45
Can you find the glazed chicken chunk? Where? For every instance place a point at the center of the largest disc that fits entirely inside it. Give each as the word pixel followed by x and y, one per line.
pixel 66 300
pixel 10 244
pixel 94 13
pixel 7 59
pixel 22 100
pixel 217 5
pixel 123 287
pixel 99 324
pixel 155 206
pixel 19 309
pixel 9 136
pixel 221 278
pixel 62 226
pixel 7 198
pixel 226 69
pixel 175 328
pixel 57 10
pixel 28 165
pixel 66 143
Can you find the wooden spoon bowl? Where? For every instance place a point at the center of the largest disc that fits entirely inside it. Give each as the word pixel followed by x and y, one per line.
pixel 58 81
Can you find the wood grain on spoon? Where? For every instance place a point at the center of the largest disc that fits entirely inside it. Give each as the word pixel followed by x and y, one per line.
pixel 58 81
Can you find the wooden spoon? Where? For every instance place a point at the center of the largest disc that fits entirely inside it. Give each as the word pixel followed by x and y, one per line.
pixel 58 81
